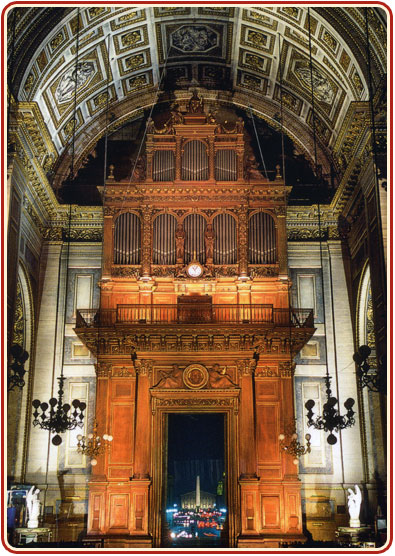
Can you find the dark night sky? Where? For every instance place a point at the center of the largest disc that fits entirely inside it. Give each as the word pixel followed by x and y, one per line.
pixel 195 447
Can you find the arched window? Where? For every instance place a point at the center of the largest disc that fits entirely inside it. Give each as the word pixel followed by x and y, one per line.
pixel 225 246
pixel 194 164
pixel 226 165
pixel 194 226
pixel 262 239
pixel 163 241
pixel 365 329
pixel 127 239
pixel 163 166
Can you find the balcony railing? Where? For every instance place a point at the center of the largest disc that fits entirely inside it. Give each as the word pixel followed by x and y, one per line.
pixel 200 313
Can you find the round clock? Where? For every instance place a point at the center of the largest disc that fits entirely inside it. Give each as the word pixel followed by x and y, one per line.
pixel 194 269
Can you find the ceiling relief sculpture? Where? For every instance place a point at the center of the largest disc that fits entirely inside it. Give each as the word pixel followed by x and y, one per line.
pixel 194 38
pixel 233 54
pixel 74 79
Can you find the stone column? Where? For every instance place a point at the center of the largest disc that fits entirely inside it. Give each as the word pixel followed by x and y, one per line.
pixel 48 352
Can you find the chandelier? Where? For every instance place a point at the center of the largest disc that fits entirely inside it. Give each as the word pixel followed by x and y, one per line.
pixel 289 442
pixel 17 368
pixel 93 445
pixel 331 420
pixel 58 419
pixel 373 379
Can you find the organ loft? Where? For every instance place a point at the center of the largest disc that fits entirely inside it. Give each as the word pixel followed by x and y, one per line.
pixel 195 317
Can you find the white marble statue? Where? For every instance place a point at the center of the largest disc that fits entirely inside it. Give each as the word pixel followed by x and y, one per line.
pixel 354 506
pixel 33 507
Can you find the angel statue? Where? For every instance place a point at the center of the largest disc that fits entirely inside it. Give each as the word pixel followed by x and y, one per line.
pixel 354 505
pixel 33 507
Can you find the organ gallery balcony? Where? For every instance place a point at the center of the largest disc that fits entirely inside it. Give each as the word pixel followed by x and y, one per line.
pixel 199 326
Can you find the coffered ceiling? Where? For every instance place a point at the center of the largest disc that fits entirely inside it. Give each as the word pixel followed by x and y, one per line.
pixel 241 57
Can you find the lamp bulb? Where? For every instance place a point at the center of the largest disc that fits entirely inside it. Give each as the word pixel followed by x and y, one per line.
pixel 93 462
pixel 281 436
pixel 90 435
pixel 79 437
pixel 296 461
pixel 109 438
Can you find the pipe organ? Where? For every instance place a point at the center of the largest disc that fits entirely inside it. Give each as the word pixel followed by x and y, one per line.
pixel 163 240
pixel 127 239
pixel 225 245
pixel 262 239
pixel 194 162
pixel 200 232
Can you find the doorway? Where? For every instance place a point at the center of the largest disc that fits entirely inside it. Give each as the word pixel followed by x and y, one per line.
pixel 194 498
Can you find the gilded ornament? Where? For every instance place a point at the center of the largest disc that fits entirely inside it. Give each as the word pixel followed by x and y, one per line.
pixel 130 39
pixel 134 62
pixel 329 40
pixel 96 11
pixel 57 41
pixel 257 38
pixel 291 11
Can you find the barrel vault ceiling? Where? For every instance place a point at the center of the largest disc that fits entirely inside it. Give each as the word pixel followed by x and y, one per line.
pixel 234 55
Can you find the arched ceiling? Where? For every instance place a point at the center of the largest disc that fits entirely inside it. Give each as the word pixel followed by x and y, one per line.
pixel 235 56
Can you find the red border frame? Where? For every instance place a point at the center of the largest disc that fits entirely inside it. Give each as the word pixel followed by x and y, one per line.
pixel 390 273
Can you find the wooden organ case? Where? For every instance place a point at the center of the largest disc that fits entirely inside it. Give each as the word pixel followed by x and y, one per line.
pixel 194 317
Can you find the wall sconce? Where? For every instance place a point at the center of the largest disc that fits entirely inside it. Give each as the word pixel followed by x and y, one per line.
pixel 289 442
pixel 93 445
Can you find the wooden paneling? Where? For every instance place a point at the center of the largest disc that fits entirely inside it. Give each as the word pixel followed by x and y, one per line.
pixel 270 511
pixel 122 431
pixel 267 418
pixel 267 389
pixel 119 511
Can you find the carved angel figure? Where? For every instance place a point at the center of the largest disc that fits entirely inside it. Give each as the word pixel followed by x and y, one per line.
pixel 219 378
pixel 33 507
pixel 180 239
pixel 171 379
pixel 354 505
pixel 209 241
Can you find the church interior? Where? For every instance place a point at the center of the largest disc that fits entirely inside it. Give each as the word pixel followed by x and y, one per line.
pixel 196 276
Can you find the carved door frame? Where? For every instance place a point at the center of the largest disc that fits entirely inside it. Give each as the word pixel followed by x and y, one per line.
pixel 203 401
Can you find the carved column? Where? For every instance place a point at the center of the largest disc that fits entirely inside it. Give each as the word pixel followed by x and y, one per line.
pixel 141 481
pixel 178 158
pixel 142 420
pixel 211 159
pixel 97 518
pixel 248 480
pixel 107 241
pixel 243 241
pixel 247 425
pixel 240 163
pixel 146 243
pixel 282 240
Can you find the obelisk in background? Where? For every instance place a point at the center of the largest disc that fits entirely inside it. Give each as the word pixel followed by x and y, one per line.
pixel 198 491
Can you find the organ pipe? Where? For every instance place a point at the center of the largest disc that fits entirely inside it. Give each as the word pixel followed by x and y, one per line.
pixel 127 239
pixel 163 166
pixel 194 164
pixel 225 243
pixel 194 226
pixel 226 165
pixel 164 247
pixel 262 239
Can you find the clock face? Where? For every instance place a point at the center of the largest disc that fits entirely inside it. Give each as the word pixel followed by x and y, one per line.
pixel 195 270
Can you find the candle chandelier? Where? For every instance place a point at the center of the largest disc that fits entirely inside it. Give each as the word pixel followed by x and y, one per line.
pixel 58 420
pixel 93 444
pixel 17 369
pixel 374 379
pixel 289 442
pixel 331 419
